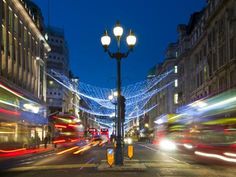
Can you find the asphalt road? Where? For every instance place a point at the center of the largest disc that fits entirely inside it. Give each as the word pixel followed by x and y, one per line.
pixel 84 164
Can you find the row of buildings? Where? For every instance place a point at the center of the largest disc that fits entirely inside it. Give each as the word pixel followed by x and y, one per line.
pixel 30 100
pixel 203 60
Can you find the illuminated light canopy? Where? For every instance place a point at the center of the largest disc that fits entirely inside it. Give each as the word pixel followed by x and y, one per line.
pixel 99 99
pixel 110 97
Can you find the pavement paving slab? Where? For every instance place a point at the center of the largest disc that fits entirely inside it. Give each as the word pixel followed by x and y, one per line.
pixel 128 166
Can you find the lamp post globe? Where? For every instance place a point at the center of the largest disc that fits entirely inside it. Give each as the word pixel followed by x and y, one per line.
pixel 105 40
pixel 118 30
pixel 115 94
pixel 131 39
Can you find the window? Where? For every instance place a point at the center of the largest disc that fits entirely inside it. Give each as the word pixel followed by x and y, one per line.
pixel 15 23
pixel 222 55
pixel 10 20
pixel 176 82
pixel 176 97
pixel 3 13
pixel 10 45
pixel 232 78
pixel 25 35
pixel 3 47
pixel 16 49
pixel 20 30
pixel 176 69
pixel 209 40
pixel 232 48
pixel 214 62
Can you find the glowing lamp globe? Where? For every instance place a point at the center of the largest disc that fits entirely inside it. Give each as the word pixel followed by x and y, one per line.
pixel 105 40
pixel 118 30
pixel 131 39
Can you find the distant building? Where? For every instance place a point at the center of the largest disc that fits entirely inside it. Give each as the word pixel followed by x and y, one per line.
pixel 166 100
pixel 22 73
pixel 88 120
pixel 58 60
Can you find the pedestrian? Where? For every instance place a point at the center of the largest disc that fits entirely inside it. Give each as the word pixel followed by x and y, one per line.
pixel 45 142
pixel 37 139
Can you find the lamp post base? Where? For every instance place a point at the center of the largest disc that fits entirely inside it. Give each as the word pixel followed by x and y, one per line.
pixel 119 153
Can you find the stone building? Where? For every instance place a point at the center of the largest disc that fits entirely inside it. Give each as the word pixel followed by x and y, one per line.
pixel 58 61
pixel 204 59
pixel 207 52
pixel 22 73
pixel 166 99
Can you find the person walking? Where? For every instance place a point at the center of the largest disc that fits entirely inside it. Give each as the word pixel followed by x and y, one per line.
pixel 45 141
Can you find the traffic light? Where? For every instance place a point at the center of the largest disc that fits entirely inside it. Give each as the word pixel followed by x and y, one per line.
pixel 122 108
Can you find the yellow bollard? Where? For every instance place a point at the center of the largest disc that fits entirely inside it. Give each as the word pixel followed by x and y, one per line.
pixel 110 156
pixel 130 151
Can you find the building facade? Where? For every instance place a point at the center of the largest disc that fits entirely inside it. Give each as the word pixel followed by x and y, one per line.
pixel 205 60
pixel 166 98
pixel 58 61
pixel 22 73
pixel 207 64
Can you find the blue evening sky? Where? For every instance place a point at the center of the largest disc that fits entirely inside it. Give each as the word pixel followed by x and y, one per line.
pixel 153 21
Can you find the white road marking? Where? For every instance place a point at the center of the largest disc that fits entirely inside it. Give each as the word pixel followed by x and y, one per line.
pixel 26 163
pixel 153 149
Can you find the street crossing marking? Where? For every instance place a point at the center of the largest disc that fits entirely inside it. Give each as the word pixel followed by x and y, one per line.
pixel 52 167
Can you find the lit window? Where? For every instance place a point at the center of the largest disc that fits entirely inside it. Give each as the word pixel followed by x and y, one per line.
pixel 176 82
pixel 176 69
pixel 176 97
pixel 176 54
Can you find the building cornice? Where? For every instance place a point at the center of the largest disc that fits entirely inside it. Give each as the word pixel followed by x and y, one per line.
pixel 19 7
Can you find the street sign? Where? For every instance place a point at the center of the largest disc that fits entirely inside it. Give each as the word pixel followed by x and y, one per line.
pixel 110 156
pixel 130 151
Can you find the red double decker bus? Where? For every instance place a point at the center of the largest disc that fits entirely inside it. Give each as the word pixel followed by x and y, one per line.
pixel 93 132
pixel 104 132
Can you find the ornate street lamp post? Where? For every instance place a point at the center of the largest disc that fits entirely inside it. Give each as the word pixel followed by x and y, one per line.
pixel 131 41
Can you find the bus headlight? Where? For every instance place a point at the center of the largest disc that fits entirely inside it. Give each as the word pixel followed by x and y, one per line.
pixel 128 141
pixel 167 145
